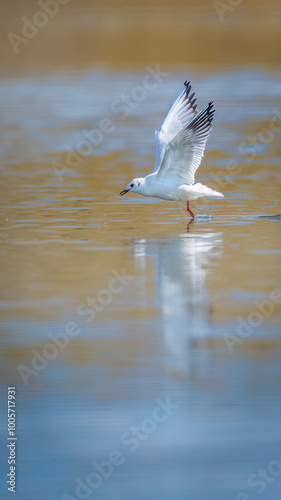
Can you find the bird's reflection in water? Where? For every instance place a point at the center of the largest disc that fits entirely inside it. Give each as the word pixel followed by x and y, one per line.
pixel 189 224
pixel 184 303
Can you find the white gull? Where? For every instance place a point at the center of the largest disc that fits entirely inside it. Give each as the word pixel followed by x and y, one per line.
pixel 181 142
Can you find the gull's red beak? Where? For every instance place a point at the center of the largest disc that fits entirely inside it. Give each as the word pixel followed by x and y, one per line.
pixel 124 192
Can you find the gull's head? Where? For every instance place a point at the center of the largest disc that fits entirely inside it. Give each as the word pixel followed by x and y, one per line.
pixel 135 186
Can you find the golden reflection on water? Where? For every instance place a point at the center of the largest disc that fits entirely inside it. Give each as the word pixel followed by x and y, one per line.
pixel 64 237
pixel 136 33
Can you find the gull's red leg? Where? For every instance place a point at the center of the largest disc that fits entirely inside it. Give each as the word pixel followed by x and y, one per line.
pixel 189 211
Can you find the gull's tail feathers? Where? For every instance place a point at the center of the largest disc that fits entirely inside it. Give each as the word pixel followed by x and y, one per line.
pixel 206 191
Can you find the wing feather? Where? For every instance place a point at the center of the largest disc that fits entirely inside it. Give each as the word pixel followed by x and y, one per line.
pixel 182 111
pixel 183 154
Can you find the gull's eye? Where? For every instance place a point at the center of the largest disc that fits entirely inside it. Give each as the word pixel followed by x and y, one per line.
pixel 132 185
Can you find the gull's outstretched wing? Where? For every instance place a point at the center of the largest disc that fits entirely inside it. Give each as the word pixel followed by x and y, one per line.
pixel 185 151
pixel 182 111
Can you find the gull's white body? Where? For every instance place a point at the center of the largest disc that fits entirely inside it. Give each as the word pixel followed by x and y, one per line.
pixel 174 191
pixel 181 143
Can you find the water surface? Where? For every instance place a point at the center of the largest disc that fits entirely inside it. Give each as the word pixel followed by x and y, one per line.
pixel 124 327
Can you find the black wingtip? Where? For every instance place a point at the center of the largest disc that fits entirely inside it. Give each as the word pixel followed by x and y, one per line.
pixel 186 83
pixel 211 109
pixel 203 119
